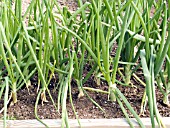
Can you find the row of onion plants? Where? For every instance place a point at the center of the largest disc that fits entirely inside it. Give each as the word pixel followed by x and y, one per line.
pixel 113 37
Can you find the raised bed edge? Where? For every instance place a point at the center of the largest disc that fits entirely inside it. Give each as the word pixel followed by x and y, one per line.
pixel 85 123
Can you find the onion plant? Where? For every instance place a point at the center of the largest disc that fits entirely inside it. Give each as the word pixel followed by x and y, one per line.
pixel 163 75
pixel 128 52
pixel 153 67
pixel 150 88
pixel 9 50
pixel 164 81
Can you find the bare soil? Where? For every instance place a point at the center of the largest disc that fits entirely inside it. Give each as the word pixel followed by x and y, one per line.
pixel 24 108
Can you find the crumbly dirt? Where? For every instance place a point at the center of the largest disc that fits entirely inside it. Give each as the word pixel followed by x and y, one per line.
pixel 24 108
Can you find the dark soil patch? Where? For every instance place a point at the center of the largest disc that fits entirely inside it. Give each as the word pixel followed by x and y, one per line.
pixel 24 108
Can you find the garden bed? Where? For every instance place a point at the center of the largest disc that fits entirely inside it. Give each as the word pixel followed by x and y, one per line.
pixel 24 108
pixel 24 111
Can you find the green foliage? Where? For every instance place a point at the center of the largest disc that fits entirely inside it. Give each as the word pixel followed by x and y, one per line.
pixel 62 42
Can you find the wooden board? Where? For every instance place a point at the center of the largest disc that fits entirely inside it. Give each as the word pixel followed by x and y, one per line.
pixel 85 123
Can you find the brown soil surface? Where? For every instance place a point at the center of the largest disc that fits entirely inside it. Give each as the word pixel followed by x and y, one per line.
pixel 24 108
